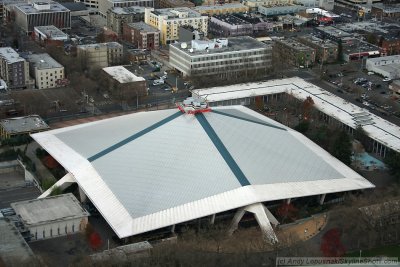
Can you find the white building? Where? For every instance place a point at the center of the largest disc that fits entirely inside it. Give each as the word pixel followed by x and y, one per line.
pixel 168 21
pixel 46 70
pixel 105 5
pixel 151 170
pixel 52 216
pixel 49 33
pixel 220 56
pixel 386 66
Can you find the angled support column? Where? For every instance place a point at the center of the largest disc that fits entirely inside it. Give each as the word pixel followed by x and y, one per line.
pixel 212 219
pixel 63 183
pixel 259 212
pixel 288 200
pixel 236 219
pixel 322 199
pixel 263 217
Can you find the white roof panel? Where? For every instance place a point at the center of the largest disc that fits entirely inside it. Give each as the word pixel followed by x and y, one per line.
pixel 149 170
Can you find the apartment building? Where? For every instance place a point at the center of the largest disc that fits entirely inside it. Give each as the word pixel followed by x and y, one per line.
pixel 224 57
pixel 294 53
pixel 118 16
pixel 28 16
pixel 326 50
pixel 105 5
pixel 46 70
pixel 14 69
pixel 230 8
pixel 100 55
pixel 168 21
pixel 142 35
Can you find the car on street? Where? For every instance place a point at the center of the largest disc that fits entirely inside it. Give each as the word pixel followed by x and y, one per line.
pixel 386 79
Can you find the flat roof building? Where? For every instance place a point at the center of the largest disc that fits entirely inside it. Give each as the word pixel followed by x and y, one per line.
pixel 118 16
pixel 49 34
pixel 100 55
pixel 228 8
pixel 223 57
pixel 46 70
pixel 123 84
pixel 14 69
pixel 122 75
pixel 173 3
pixel 28 16
pixel 52 216
pixel 142 35
pixel 105 5
pixel 168 21
pixel 386 66
pixel 294 53
pixel 22 126
pixel 326 50
pixel 226 25
pixel 213 162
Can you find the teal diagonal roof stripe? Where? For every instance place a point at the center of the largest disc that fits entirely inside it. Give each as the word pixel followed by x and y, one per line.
pixel 245 119
pixel 134 136
pixel 222 150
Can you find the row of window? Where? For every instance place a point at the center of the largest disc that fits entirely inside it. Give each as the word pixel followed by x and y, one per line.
pixel 58 232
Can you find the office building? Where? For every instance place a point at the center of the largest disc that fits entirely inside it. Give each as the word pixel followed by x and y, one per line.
pixel 142 35
pixel 223 57
pixel 14 69
pixel 28 16
pixel 294 53
pixel 46 71
pixel 118 16
pixel 100 55
pixel 168 21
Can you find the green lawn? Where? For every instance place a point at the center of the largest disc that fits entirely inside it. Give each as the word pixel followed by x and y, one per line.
pixel 389 251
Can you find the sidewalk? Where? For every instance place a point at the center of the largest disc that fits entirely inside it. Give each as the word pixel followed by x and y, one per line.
pixel 305 229
pixel 42 173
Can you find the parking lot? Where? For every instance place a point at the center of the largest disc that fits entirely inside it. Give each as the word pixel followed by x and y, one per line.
pixel 17 194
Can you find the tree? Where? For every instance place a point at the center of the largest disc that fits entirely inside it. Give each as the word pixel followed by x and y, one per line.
pixel 302 127
pixel 340 51
pixel 372 39
pixel 392 159
pixel 331 245
pixel 342 148
pixel 307 106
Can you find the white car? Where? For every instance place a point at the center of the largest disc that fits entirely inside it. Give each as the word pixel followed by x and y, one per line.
pixel 386 79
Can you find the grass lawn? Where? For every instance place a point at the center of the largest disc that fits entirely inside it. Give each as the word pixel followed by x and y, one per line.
pixel 389 251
